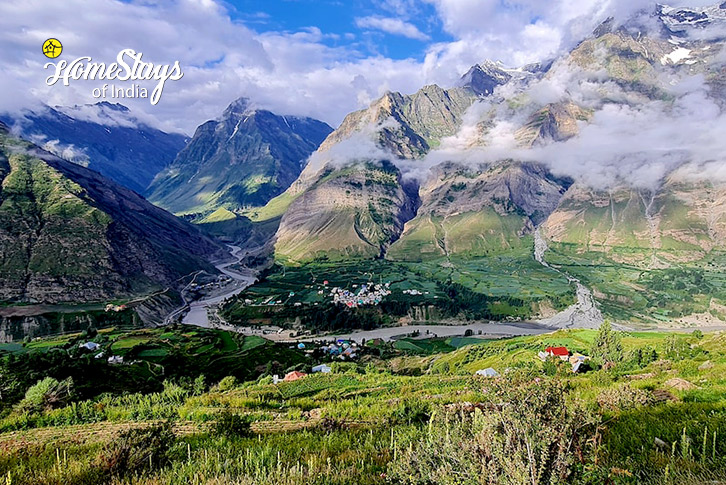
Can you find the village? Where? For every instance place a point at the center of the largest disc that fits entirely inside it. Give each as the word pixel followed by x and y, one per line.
pixel 351 295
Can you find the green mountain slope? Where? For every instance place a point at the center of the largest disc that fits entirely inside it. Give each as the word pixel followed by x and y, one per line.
pixel 244 159
pixel 69 235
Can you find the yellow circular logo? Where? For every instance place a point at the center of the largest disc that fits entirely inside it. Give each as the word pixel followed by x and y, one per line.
pixel 52 48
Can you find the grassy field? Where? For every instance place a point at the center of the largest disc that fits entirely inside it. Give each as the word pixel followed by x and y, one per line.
pixel 406 413
pixel 461 288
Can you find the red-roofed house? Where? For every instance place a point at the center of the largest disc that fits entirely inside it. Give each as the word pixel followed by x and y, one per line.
pixel 294 375
pixel 560 352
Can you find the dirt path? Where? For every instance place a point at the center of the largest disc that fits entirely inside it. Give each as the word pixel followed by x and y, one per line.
pixel 83 434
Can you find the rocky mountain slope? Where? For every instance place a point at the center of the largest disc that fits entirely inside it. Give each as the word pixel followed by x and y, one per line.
pixel 355 171
pixel 477 211
pixel 67 234
pixel 104 137
pixel 241 160
pixel 604 149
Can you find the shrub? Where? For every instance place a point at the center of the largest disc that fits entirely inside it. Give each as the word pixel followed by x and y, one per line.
pixel 232 425
pixel 549 367
pixel 200 385
pixel 624 397
pixel 528 434
pixel 136 449
pixel 46 394
pixel 411 411
pixel 227 383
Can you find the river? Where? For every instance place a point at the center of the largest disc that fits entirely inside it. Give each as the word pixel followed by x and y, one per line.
pixel 584 313
pixel 197 314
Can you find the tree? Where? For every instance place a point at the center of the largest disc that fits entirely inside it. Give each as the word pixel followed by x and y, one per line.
pixel 607 347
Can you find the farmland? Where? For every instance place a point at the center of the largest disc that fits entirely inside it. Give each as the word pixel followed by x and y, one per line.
pixel 369 421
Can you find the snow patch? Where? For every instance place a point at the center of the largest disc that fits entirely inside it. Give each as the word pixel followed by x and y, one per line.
pixel 676 56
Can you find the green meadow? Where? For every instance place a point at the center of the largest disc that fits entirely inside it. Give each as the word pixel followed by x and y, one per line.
pixel 653 410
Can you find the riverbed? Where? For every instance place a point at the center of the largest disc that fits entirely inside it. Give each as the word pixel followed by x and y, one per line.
pixel 198 310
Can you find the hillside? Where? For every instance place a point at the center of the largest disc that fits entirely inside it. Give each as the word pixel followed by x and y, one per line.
pixel 104 137
pixel 67 234
pixel 241 160
pixel 408 412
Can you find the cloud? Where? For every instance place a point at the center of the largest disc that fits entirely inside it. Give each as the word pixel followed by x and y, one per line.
pixel 392 26
pixel 294 73
pixel 629 140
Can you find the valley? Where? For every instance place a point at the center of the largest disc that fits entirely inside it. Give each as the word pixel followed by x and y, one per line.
pixel 463 272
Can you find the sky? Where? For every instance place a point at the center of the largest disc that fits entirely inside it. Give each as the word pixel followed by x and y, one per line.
pixel 321 58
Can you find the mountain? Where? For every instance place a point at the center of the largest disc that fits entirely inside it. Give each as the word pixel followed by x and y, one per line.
pixel 478 211
pixel 68 234
pixel 104 137
pixel 596 156
pixel 243 159
pixel 351 184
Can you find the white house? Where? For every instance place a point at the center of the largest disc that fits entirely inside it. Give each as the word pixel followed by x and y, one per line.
pixel 488 372
pixel 115 360
pixel 92 346
pixel 324 368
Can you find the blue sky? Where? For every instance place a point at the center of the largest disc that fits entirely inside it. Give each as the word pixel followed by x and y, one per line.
pixel 358 25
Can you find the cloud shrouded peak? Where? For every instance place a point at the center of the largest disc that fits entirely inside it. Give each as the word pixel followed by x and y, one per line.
pixel 307 71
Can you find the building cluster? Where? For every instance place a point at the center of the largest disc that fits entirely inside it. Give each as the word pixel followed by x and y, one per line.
pixel 367 295
pixel 575 359
pixel 343 349
pixel 115 308
pixel 221 282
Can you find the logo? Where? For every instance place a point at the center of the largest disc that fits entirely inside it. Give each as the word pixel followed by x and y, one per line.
pixel 129 66
pixel 52 48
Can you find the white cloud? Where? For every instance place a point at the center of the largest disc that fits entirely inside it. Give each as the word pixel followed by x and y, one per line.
pixel 287 72
pixel 290 73
pixel 391 25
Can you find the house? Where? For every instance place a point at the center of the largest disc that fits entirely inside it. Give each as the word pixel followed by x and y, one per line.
pixel 324 368
pixel 577 360
pixel 92 346
pixel 99 355
pixel 276 379
pixel 488 372
pixel 115 360
pixel 294 375
pixel 560 352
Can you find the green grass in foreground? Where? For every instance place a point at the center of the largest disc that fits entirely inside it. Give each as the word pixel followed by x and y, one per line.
pixel 658 416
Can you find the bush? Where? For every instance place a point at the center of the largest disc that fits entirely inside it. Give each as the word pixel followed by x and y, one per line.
pixel 137 449
pixel 528 434
pixel 411 411
pixel 232 425
pixel 227 383
pixel 624 397
pixel 46 394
